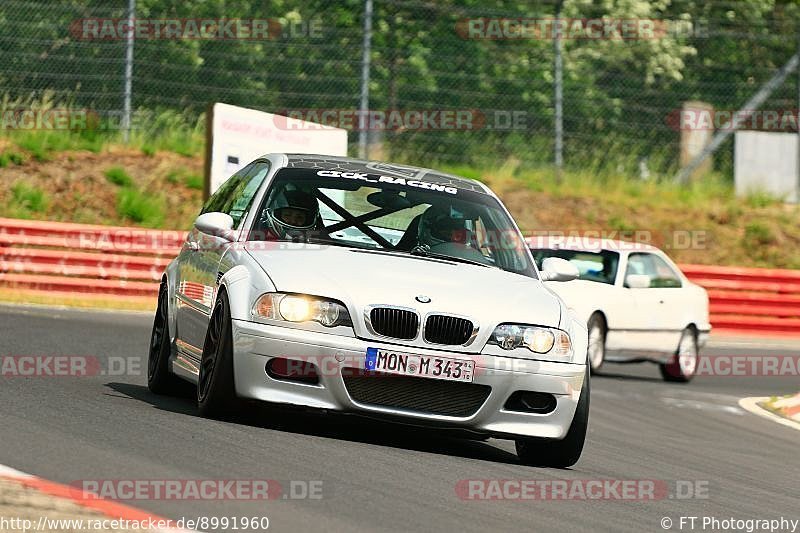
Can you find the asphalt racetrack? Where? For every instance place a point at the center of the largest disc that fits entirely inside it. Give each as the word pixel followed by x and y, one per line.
pixel 693 439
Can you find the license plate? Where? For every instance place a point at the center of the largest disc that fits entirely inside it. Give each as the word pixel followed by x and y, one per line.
pixel 425 366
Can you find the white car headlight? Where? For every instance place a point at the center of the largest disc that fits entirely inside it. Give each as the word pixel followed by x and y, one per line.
pixel 536 339
pixel 301 308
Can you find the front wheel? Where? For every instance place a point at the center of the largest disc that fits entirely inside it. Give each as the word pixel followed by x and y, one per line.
pixel 559 453
pixel 597 342
pixel 216 392
pixel 159 379
pixel 684 361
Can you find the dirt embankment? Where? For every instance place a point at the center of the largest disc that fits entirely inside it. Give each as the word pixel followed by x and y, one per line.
pixel 75 186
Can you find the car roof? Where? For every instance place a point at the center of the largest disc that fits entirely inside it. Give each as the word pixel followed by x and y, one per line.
pixel 586 244
pixel 347 164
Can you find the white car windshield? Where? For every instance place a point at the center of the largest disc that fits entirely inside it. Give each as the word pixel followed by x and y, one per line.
pixel 600 266
pixel 393 215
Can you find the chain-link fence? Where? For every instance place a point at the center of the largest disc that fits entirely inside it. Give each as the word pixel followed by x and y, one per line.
pixel 456 81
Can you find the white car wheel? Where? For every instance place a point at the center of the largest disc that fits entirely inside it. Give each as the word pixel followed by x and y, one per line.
pixel 597 342
pixel 683 365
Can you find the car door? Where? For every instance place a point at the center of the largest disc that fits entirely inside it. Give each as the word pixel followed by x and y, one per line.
pixel 200 272
pixel 657 323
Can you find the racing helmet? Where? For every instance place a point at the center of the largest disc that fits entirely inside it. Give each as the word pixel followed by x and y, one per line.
pixel 440 225
pixel 292 213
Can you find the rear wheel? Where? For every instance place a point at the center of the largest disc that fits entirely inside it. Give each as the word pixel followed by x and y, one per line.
pixel 216 392
pixel 159 379
pixel 597 342
pixel 559 453
pixel 684 362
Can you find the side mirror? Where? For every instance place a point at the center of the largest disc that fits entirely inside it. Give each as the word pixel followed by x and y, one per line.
pixel 558 269
pixel 217 224
pixel 637 281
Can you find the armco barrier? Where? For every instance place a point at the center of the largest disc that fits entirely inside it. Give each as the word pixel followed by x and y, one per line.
pixel 94 261
pixel 88 260
pixel 751 300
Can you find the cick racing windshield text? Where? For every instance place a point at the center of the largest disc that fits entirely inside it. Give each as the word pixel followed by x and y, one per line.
pixel 374 178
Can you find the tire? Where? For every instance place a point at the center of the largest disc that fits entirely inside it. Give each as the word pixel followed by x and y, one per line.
pixel 159 379
pixel 216 392
pixel 597 342
pixel 560 453
pixel 683 366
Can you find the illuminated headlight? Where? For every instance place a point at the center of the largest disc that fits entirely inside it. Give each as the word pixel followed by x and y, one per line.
pixel 301 308
pixel 536 339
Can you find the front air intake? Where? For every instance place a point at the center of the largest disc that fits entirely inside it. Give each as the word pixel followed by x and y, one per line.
pixel 422 395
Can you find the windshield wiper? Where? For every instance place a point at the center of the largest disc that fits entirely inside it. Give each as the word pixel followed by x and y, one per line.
pixel 424 251
pixel 345 244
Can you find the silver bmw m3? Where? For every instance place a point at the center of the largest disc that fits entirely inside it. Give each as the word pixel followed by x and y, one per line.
pixel 377 289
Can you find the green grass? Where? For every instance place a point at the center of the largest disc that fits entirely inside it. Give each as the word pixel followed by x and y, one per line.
pixel 151 130
pixel 193 181
pixel 760 199
pixel 757 234
pixel 141 208
pixel 43 144
pixel 185 176
pixel 118 176
pixel 168 130
pixel 7 158
pixel 27 200
pixel 173 177
pixel 621 187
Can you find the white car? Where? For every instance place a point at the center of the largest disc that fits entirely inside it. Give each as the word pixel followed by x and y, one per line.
pixel 376 289
pixel 637 303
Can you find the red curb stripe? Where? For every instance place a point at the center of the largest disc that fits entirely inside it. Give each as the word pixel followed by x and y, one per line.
pixel 791 411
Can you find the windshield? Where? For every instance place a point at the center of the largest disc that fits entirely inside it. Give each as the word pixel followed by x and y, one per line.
pixel 598 266
pixel 393 214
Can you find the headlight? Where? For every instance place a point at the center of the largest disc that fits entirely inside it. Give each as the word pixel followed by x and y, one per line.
pixel 301 308
pixel 536 339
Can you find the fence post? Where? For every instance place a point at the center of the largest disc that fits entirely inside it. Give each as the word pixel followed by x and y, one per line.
pixel 797 114
pixel 558 97
pixel 127 91
pixel 363 152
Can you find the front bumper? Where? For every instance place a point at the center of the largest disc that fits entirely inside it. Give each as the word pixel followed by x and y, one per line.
pixel 255 344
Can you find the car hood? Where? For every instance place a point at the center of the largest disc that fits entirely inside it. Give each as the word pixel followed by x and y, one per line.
pixel 360 278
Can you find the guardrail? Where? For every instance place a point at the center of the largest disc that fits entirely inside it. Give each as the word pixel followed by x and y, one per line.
pixel 88 260
pixel 750 300
pixel 98 261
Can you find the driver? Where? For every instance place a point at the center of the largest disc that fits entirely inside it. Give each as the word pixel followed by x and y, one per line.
pixel 441 225
pixel 291 214
pixel 447 231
